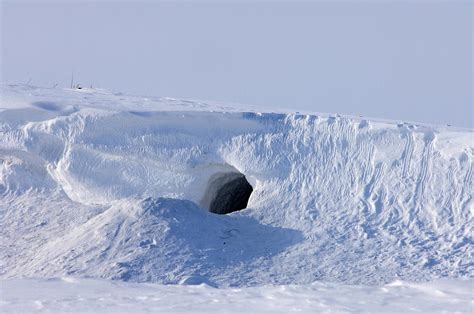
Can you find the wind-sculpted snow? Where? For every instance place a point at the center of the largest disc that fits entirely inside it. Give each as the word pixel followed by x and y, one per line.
pixel 106 185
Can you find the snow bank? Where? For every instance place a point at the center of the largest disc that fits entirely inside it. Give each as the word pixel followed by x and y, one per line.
pixel 99 184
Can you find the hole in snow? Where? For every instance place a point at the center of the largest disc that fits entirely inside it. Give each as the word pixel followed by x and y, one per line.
pixel 227 192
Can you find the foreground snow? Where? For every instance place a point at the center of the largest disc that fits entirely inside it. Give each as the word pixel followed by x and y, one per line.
pixel 88 295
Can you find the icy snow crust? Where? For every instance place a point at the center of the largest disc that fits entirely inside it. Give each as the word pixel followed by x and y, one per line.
pixel 97 184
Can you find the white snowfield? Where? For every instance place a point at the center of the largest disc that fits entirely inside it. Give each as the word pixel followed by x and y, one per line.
pixel 65 295
pixel 103 185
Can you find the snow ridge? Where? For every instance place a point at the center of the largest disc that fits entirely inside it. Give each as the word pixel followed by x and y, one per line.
pixel 105 185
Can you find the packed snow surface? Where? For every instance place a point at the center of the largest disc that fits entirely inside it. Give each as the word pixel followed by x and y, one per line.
pixel 103 185
pixel 65 295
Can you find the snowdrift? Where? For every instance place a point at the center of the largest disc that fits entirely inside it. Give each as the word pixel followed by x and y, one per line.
pixel 100 184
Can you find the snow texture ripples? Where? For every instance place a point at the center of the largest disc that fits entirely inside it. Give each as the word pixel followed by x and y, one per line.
pixel 99 184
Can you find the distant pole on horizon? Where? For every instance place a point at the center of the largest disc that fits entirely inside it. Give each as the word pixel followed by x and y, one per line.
pixel 72 78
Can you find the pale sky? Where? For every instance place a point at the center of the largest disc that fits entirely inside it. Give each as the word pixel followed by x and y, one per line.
pixel 409 61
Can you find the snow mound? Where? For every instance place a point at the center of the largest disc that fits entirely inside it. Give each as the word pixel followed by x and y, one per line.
pixel 99 184
pixel 138 240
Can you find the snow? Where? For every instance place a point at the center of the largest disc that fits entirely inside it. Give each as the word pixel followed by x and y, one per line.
pixel 64 295
pixel 103 185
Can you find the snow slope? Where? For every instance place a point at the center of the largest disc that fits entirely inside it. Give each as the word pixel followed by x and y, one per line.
pixel 103 185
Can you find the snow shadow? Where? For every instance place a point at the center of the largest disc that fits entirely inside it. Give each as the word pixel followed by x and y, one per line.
pixel 54 107
pixel 47 105
pixel 211 243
